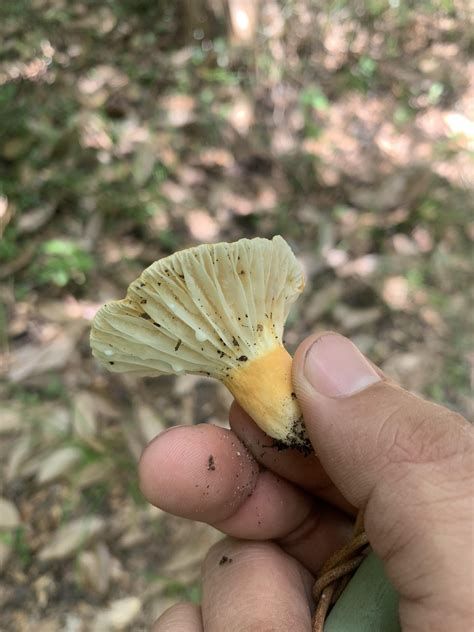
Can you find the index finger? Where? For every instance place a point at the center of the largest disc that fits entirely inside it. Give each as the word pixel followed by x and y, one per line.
pixel 306 471
pixel 205 473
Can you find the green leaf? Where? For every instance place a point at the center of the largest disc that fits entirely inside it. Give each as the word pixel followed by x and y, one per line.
pixel 435 92
pixel 367 66
pixel 59 247
pixel 315 98
pixel 368 604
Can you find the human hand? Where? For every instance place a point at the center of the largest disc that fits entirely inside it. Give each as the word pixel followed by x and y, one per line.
pixel 408 462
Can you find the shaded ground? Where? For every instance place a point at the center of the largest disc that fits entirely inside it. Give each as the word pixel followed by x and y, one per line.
pixel 349 132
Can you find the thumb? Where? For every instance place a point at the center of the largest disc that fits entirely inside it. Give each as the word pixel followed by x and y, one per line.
pixel 407 461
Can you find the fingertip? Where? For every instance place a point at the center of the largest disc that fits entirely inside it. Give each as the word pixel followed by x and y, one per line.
pixel 254 586
pixel 180 616
pixel 201 472
pixel 155 454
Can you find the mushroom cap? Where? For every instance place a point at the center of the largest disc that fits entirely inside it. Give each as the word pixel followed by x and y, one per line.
pixel 204 310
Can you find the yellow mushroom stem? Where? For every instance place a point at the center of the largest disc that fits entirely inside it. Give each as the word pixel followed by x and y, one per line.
pixel 263 387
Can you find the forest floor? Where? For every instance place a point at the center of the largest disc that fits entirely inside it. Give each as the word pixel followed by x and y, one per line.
pixel 348 132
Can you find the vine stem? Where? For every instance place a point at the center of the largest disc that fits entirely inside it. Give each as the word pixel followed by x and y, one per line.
pixel 337 571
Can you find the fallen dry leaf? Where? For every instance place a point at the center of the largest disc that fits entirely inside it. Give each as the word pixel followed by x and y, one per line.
pixel 241 116
pixel 23 448
pixel 93 473
pixel 94 567
pixel 85 422
pixel 144 163
pixel 243 19
pixel 71 537
pixel 216 157
pixel 403 245
pixel 188 553
pixel 119 615
pixel 410 369
pixel 351 318
pixel 31 221
pixel 133 439
pixel 363 266
pixel 53 419
pixel 33 359
pixel 396 292
pixel 58 463
pixel 6 213
pixel 238 204
pixel 150 423
pixel 11 419
pixel 9 515
pixel 202 226
pixel 178 109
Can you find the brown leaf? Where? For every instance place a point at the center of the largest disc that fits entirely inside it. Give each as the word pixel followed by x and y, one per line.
pixel 174 192
pixel 323 301
pixel 179 109
pixel 396 292
pixel 202 226
pixel 243 20
pixel 150 423
pixel 351 318
pixel 6 213
pixel 57 464
pixel 70 537
pixel 22 450
pixel 34 219
pixel 216 157
pixel 241 115
pixel 37 359
pixel 191 543
pixel 85 421
pixel 11 419
pixel 92 474
pixel 119 615
pixel 55 420
pixel 9 515
pixel 134 440
pixel 363 266
pixel 143 163
pixel 94 567
pixel 238 204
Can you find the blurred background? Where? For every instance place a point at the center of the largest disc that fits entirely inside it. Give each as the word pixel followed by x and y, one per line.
pixel 131 129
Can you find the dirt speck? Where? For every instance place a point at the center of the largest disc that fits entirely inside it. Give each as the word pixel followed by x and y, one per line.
pixel 211 466
pixel 225 560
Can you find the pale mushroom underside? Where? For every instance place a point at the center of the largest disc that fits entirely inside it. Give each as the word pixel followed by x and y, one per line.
pixel 204 310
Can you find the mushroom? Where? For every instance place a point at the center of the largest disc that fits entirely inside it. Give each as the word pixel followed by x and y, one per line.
pixel 216 310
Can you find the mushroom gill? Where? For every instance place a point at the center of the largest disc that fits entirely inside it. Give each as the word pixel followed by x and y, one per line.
pixel 216 310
